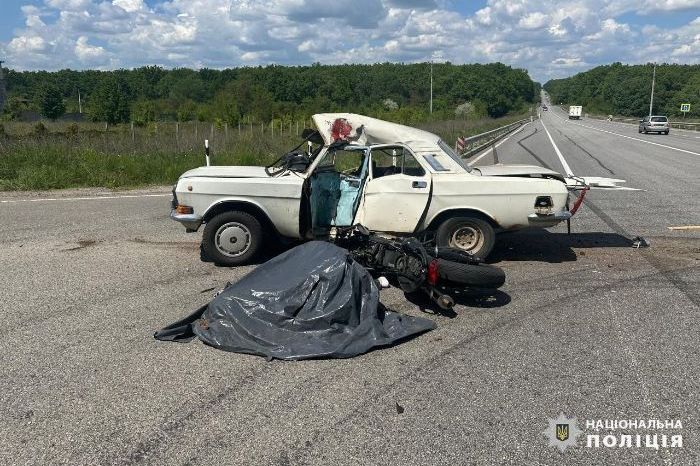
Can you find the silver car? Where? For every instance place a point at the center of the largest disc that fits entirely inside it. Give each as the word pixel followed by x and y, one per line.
pixel 655 124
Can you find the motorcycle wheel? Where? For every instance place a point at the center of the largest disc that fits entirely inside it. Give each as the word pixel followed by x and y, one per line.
pixel 470 275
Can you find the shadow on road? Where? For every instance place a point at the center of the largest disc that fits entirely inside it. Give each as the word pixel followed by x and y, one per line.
pixel 489 300
pixel 544 246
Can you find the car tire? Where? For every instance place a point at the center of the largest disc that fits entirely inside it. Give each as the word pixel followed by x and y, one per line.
pixel 639 130
pixel 470 234
pixel 232 238
pixel 666 132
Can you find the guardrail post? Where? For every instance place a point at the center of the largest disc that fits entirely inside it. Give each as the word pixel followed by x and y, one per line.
pixel 495 154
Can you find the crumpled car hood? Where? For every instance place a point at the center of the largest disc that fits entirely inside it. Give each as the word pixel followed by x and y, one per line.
pixel 226 172
pixel 516 170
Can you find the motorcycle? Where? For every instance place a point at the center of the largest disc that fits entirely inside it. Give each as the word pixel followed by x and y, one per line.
pixel 440 272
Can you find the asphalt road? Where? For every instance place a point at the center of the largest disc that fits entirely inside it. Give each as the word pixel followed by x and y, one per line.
pixel 586 325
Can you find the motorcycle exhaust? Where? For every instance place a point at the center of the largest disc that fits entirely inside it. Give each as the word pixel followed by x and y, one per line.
pixel 443 300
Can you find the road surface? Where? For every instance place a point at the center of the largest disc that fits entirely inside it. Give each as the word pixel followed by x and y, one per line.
pixel 586 326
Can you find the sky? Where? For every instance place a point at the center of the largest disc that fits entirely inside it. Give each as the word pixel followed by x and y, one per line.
pixel 550 39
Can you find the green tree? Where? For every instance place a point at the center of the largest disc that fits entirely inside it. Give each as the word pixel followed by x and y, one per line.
pixel 110 102
pixel 51 102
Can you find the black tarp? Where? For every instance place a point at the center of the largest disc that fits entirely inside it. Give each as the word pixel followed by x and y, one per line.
pixel 313 301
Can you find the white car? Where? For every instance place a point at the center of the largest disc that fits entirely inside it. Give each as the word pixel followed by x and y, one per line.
pixel 392 179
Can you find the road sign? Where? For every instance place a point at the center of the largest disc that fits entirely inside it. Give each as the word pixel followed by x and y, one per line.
pixel 685 108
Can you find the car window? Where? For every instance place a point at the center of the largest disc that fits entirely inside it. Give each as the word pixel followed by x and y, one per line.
pixel 342 161
pixel 387 161
pixel 659 119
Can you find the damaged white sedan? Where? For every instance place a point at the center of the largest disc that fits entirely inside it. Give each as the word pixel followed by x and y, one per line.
pixel 356 170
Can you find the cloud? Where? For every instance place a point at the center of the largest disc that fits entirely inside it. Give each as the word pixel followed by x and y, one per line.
pixel 86 52
pixel 549 38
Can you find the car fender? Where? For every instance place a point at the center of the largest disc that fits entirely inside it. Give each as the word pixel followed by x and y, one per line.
pixel 435 219
pixel 251 206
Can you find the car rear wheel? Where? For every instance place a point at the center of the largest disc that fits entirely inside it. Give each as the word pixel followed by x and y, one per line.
pixel 232 238
pixel 469 234
pixel 666 132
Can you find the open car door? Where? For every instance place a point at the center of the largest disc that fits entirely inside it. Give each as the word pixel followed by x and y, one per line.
pixel 335 187
pixel 396 192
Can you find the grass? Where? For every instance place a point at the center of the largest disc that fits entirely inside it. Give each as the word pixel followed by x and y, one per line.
pixel 71 156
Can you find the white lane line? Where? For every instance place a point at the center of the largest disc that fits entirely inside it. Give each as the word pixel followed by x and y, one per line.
pixel 631 137
pixel 94 198
pixel 471 164
pixel 567 169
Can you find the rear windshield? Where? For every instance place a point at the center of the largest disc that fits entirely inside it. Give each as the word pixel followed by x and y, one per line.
pixel 659 119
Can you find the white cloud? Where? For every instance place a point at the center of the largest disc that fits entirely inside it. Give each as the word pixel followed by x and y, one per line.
pixel 129 5
pixel 27 44
pixel 534 20
pixel 549 38
pixel 87 52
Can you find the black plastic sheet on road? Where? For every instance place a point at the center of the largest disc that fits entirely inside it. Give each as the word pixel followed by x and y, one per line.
pixel 313 301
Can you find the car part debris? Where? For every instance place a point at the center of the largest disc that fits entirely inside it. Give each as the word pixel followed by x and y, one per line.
pixel 313 301
pixel 639 242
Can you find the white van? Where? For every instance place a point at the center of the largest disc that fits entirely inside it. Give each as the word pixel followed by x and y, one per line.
pixel 575 112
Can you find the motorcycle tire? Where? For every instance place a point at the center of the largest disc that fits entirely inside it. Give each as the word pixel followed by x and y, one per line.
pixel 456 255
pixel 470 275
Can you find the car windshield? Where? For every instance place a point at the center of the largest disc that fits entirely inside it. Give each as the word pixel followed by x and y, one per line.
pixel 453 155
pixel 659 119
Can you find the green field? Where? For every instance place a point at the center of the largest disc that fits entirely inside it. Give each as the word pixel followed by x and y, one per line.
pixel 62 155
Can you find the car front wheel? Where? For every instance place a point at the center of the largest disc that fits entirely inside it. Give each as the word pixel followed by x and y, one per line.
pixel 470 234
pixel 232 238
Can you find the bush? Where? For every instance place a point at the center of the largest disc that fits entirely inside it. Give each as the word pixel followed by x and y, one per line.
pixel 40 129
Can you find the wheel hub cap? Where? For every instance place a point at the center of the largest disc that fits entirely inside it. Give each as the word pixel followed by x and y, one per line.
pixel 466 238
pixel 233 239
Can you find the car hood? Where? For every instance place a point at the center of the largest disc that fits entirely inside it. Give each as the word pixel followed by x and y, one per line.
pixel 517 170
pixel 226 172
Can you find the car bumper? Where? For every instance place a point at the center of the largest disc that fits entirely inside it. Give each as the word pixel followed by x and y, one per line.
pixel 548 220
pixel 192 222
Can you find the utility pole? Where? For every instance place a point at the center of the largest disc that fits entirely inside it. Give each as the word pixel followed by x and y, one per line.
pixel 653 80
pixel 80 103
pixel 2 88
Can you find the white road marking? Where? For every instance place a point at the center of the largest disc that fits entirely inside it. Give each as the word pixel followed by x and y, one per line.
pixel 567 169
pixel 630 137
pixel 471 164
pixel 94 198
pixel 685 227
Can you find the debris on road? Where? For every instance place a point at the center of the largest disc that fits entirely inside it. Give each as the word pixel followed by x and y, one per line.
pixel 313 301
pixel 639 242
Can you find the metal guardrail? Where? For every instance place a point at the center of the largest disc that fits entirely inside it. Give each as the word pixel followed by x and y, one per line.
pixel 475 144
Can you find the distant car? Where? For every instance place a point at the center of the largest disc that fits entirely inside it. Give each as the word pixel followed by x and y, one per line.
pixel 544 107
pixel 654 124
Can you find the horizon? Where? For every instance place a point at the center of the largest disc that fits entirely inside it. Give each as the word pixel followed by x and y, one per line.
pixel 550 40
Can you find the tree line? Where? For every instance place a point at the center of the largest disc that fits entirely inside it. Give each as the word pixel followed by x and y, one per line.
pixel 400 92
pixel 625 89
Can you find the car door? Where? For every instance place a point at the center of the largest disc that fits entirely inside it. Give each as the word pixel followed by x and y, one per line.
pixel 397 191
